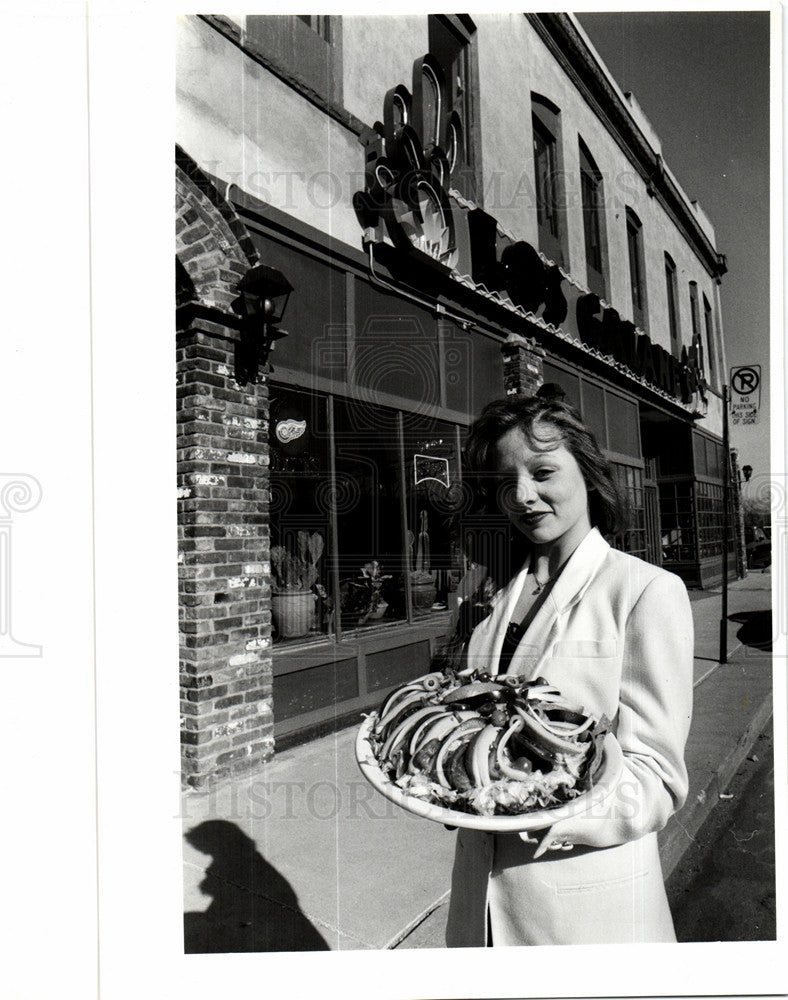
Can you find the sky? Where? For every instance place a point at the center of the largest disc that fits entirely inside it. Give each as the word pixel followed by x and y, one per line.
pixel 703 81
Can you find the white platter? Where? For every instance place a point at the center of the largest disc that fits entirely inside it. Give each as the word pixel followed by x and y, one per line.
pixel 604 784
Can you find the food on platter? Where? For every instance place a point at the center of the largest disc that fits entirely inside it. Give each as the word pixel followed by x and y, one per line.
pixel 489 746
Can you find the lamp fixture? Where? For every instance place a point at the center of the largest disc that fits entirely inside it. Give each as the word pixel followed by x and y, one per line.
pixel 264 294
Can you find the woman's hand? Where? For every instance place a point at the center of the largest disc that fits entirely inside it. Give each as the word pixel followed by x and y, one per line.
pixel 591 831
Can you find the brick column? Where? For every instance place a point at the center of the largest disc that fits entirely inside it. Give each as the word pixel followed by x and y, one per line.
pixel 223 532
pixel 522 365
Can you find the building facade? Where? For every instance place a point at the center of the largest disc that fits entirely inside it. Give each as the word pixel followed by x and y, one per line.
pixel 437 237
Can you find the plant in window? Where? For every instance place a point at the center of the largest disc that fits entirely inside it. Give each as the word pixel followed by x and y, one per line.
pixel 422 579
pixel 363 597
pixel 294 577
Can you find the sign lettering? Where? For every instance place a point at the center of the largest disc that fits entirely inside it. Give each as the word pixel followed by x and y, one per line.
pixel 406 202
pixel 745 394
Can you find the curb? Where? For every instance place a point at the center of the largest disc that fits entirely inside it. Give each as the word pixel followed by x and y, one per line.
pixel 680 832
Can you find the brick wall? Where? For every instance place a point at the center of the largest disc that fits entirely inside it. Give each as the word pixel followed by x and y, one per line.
pixel 225 616
pixel 223 498
pixel 522 365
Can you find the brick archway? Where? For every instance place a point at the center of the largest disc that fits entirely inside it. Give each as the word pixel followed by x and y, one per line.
pixel 211 241
pixel 224 568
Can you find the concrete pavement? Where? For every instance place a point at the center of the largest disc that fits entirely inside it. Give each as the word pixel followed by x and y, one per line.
pixel 305 855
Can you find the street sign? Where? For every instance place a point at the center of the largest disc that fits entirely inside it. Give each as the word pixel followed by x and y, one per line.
pixel 745 394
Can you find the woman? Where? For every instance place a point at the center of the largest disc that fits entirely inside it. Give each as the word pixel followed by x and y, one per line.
pixel 613 634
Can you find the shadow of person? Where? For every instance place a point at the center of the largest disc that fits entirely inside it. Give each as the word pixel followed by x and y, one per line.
pixel 254 908
pixel 756 629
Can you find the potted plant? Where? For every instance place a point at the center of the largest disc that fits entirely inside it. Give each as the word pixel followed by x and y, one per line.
pixel 294 575
pixel 363 597
pixel 422 581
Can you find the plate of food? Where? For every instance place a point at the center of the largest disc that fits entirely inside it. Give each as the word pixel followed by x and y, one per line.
pixel 498 754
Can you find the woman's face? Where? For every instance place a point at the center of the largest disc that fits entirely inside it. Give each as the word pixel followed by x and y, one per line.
pixel 542 491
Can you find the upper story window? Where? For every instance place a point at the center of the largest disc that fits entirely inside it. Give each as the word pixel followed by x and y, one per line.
pixel 431 106
pixel 546 126
pixel 592 201
pixel 709 323
pixel 695 312
pixel 319 23
pixel 637 270
pixel 673 310
pixel 451 44
pixel 694 309
pixel 305 48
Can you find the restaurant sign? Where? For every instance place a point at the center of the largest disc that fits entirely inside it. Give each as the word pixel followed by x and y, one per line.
pixel 410 159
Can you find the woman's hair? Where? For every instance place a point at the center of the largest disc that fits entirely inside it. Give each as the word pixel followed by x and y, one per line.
pixel 545 422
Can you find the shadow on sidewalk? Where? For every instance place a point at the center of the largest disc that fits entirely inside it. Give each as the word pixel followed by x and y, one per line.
pixel 254 908
pixel 756 629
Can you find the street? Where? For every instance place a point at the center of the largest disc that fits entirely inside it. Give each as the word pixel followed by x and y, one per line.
pixel 723 888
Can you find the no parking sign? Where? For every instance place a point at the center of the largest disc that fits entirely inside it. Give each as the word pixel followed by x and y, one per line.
pixel 745 394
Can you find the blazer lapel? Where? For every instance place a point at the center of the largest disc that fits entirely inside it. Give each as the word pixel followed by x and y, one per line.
pixel 581 568
pixel 484 646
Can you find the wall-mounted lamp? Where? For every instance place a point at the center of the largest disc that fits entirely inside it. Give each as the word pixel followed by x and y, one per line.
pixel 747 471
pixel 264 296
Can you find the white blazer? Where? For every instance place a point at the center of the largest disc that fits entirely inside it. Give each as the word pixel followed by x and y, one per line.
pixel 615 636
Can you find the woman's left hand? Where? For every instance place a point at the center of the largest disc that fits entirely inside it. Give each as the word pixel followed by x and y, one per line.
pixel 563 835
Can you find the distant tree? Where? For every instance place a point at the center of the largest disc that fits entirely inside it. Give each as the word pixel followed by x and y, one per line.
pixel 757 513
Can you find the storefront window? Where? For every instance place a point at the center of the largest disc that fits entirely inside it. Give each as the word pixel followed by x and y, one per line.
pixel 299 510
pixel 369 514
pixel 711 520
pixel 630 482
pixel 677 522
pixel 432 474
pixel 361 501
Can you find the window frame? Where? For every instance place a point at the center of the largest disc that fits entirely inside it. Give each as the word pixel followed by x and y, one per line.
pixel 708 319
pixel 333 576
pixel 694 310
pixel 301 51
pixel 462 96
pixel 546 123
pixel 592 207
pixel 637 274
pixel 672 295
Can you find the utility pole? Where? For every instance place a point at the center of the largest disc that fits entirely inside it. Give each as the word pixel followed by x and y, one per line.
pixel 726 475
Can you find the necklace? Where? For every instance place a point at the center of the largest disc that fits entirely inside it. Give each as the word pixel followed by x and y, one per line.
pixel 539 585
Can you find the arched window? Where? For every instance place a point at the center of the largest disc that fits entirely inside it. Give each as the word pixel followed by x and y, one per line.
pixel 546 127
pixel 592 201
pixel 431 106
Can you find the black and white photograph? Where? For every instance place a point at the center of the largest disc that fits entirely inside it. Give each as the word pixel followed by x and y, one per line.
pixel 421 520
pixel 464 411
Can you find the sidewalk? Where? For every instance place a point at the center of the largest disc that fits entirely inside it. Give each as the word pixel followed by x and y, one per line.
pixel 305 855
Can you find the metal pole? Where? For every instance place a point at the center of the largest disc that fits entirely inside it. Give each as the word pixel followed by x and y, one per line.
pixel 726 475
